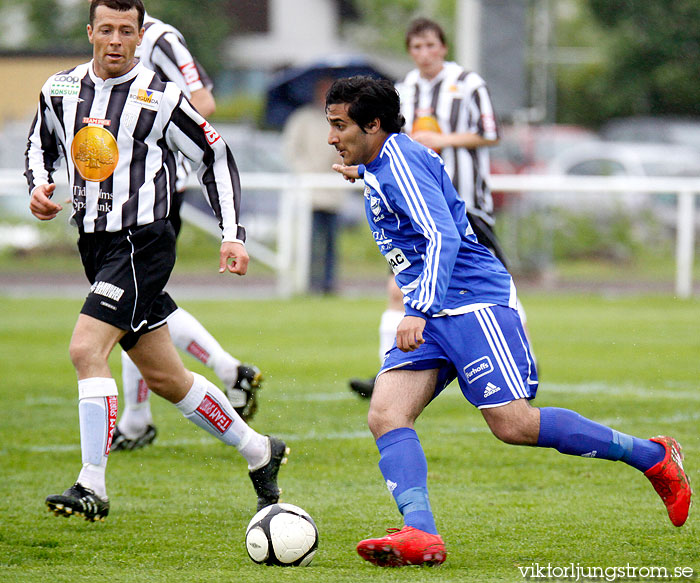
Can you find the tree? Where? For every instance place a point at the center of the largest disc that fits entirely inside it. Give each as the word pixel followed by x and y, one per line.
pixel 383 22
pixel 651 65
pixel 204 27
pixel 55 25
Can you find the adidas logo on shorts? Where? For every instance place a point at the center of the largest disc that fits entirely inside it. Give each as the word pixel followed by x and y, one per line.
pixel 490 389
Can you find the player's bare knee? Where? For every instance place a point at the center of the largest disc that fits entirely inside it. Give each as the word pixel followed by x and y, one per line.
pixel 379 420
pixel 375 420
pixel 83 354
pixel 158 380
pixel 171 384
pixel 509 434
pixel 516 423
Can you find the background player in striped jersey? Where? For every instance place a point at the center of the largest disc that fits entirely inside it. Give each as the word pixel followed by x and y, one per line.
pixel 119 127
pixel 164 50
pixel 460 322
pixel 447 109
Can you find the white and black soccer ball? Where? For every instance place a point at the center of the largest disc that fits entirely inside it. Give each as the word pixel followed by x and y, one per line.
pixel 282 534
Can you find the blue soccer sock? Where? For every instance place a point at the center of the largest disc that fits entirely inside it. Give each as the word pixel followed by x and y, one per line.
pixel 570 433
pixel 405 472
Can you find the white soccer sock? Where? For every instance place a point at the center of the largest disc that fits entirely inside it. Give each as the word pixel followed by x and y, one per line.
pixel 97 411
pixel 207 407
pixel 190 336
pixel 387 330
pixel 136 415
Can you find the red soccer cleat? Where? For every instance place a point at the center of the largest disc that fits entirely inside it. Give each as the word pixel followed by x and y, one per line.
pixel 408 546
pixel 670 481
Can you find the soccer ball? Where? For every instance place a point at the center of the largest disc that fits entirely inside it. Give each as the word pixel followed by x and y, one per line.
pixel 282 534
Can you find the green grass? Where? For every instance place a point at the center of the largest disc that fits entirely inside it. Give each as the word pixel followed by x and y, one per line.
pixel 180 507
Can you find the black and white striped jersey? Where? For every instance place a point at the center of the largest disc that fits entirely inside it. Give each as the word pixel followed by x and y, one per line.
pixel 119 138
pixel 460 102
pixel 164 50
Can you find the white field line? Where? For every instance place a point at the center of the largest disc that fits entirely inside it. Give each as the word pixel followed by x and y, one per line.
pixel 316 436
pixel 666 393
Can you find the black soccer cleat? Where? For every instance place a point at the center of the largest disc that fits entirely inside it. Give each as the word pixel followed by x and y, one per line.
pixel 363 387
pixel 249 382
pixel 122 443
pixel 79 501
pixel 265 479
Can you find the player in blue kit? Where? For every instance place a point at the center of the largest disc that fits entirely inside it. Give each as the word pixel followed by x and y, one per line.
pixel 461 322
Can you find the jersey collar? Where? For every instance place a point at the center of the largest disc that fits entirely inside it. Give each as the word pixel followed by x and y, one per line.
pixel 100 82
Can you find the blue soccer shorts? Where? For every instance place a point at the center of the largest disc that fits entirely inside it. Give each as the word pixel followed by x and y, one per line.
pixel 486 350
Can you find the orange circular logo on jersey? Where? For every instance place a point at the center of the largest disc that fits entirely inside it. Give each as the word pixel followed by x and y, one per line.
pixel 426 123
pixel 95 153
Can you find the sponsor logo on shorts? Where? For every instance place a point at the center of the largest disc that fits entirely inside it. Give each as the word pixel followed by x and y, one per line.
pixel 490 389
pixel 391 486
pixel 212 412
pixel 107 290
pixel 593 453
pixel 198 352
pixel 478 368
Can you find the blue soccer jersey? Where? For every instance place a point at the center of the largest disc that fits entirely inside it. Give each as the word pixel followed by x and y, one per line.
pixel 420 224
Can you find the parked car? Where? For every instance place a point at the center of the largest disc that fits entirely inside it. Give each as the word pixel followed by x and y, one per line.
pixel 529 148
pixel 684 131
pixel 602 158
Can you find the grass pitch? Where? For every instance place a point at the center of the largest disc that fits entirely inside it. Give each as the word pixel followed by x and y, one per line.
pixel 180 508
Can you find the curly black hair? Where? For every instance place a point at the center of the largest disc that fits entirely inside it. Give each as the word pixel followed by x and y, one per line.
pixel 368 99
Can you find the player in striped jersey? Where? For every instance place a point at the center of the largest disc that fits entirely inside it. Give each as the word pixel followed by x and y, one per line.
pixel 447 109
pixel 119 126
pixel 460 322
pixel 163 49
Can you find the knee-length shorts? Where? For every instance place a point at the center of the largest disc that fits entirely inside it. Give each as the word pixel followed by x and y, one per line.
pixel 128 271
pixel 486 350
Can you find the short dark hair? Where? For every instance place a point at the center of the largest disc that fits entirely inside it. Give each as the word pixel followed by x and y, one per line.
pixel 422 25
pixel 121 5
pixel 368 99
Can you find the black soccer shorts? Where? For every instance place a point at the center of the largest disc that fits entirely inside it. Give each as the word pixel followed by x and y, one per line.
pixel 128 271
